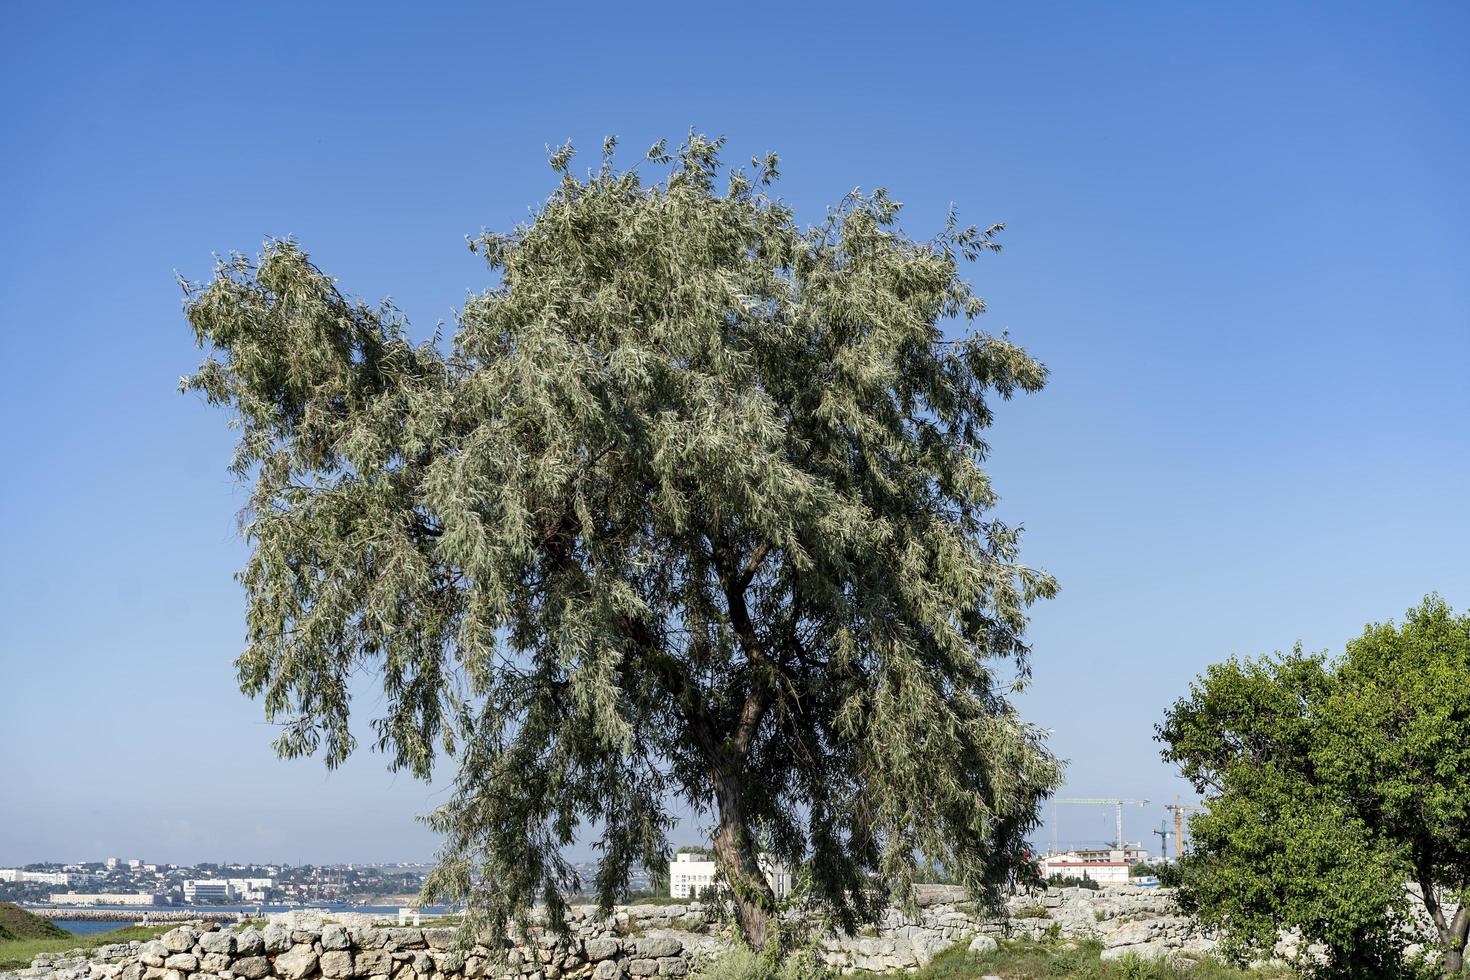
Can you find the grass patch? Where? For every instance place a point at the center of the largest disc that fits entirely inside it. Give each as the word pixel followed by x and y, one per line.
pixel 1028 960
pixel 15 953
pixel 17 923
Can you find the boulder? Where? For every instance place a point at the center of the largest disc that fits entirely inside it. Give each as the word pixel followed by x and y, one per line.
pixel 218 942
pixel 643 968
pixel 335 963
pixel 277 939
pixel 334 937
pixel 655 947
pixel 672 966
pixel 983 944
pixel 251 967
pixel 185 962
pixel 371 962
pixel 214 962
pixel 179 940
pixel 608 970
pixel 153 953
pixel 249 943
pixel 440 938
pixel 602 949
pixel 297 962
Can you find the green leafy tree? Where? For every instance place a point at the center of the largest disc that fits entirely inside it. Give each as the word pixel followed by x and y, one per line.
pixel 692 504
pixel 1333 784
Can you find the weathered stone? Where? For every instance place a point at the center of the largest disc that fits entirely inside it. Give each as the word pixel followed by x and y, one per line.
pixel 474 967
pixel 370 962
pixel 180 940
pixel 654 947
pixel 277 939
pixel 440 938
pixel 643 968
pixel 407 938
pixel 297 962
pixel 672 966
pixel 249 942
pixel 602 949
pixel 983 944
pixel 336 963
pixel 218 942
pixel 422 964
pixel 214 962
pixel 187 962
pixel 335 937
pixel 132 971
pixel 607 970
pixel 153 953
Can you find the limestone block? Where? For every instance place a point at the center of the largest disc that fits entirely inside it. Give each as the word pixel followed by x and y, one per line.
pixel 334 937
pixel 180 940
pixel 153 953
pixel 672 966
pixel 371 962
pixel 335 963
pixel 983 944
pixel 187 962
pixel 249 943
pixel 602 949
pixel 297 962
pixel 277 939
pixel 251 967
pixel 218 942
pixel 643 968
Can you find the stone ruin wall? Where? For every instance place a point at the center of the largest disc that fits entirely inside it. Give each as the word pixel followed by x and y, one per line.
pixel 637 941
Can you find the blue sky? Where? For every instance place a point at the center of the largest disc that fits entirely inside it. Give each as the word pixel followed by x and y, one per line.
pixel 1237 234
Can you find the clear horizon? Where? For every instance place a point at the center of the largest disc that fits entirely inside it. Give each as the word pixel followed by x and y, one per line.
pixel 1236 237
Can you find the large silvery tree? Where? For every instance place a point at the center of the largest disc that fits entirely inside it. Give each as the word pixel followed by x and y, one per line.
pixel 691 506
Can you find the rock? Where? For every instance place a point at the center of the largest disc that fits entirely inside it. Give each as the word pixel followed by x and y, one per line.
pixel 643 968
pixel 131 971
pixel 1142 951
pixel 218 942
pixel 249 943
pixel 440 938
pixel 334 937
pixel 602 949
pixel 656 947
pixel 983 944
pixel 277 939
pixel 407 938
pixel 179 940
pixel 153 953
pixel 335 963
pixel 672 966
pixel 371 962
pixel 926 947
pixel 187 962
pixel 214 962
pixel 251 967
pixel 297 962
pixel 607 970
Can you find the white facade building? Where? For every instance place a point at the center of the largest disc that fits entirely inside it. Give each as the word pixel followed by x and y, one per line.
pixel 1109 870
pixel 39 877
pixel 124 898
pixel 210 890
pixel 689 875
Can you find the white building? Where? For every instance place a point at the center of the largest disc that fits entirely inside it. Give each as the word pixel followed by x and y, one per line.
pixel 1109 870
pixel 39 877
pixel 123 898
pixel 135 863
pixel 209 890
pixel 689 875
pixel 251 889
pixel 111 863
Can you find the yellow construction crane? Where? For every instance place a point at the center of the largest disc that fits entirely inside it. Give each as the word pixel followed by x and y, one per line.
pixel 1179 810
pixel 1096 802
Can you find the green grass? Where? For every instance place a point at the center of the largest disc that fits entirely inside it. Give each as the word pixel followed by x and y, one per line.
pixel 17 923
pixel 1027 960
pixel 19 952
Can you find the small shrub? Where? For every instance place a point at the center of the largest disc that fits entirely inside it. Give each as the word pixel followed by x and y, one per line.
pixel 1030 912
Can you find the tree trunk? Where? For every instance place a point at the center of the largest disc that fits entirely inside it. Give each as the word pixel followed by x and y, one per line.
pixel 736 853
pixel 1452 933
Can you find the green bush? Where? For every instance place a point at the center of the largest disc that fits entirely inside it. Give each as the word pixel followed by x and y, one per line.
pixel 743 963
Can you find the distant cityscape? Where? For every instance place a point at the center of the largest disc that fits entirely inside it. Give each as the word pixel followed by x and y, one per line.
pixel 135 882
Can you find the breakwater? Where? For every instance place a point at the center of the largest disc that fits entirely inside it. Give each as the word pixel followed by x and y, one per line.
pixel 143 913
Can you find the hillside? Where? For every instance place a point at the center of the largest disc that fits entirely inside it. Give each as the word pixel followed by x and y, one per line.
pixel 17 923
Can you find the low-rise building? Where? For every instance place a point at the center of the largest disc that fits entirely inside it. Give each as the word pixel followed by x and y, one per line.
pixel 119 898
pixel 689 875
pixel 208 890
pixel 1103 870
pixel 38 877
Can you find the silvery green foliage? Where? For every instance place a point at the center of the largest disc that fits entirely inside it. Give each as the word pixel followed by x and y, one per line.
pixel 693 506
